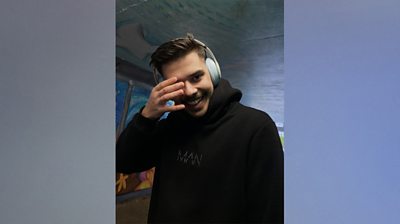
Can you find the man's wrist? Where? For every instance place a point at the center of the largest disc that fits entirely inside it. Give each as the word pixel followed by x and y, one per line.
pixel 145 113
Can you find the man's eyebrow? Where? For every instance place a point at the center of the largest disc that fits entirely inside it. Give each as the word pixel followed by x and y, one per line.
pixel 198 72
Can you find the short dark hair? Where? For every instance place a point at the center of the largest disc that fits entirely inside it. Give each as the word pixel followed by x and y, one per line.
pixel 174 49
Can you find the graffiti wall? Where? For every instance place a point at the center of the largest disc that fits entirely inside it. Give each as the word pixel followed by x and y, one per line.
pixel 130 98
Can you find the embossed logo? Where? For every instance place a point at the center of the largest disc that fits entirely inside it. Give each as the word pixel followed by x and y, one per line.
pixel 189 158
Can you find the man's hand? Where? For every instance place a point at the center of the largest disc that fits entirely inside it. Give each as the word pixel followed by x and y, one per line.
pixel 160 94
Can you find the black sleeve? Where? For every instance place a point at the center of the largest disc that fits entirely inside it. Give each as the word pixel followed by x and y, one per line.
pixel 265 176
pixel 136 148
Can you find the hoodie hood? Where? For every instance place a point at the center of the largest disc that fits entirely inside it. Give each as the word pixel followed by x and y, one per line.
pixel 224 94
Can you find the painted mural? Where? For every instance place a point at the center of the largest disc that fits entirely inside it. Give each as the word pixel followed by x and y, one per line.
pixel 130 99
pixel 121 89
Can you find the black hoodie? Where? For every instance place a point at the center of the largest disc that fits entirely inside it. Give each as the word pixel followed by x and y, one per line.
pixel 224 167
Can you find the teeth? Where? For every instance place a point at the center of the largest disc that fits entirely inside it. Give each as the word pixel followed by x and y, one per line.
pixel 193 102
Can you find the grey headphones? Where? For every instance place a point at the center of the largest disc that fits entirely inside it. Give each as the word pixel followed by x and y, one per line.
pixel 211 63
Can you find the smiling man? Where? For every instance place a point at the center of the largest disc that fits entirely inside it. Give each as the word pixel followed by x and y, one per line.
pixel 190 87
pixel 216 160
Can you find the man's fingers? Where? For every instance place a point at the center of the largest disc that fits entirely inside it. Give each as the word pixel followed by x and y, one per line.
pixel 170 96
pixel 161 93
pixel 174 108
pixel 165 83
pixel 171 88
pixel 178 107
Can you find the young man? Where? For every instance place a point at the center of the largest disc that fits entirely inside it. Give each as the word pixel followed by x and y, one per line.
pixel 216 160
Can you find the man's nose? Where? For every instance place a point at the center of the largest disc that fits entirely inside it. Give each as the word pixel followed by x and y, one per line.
pixel 189 89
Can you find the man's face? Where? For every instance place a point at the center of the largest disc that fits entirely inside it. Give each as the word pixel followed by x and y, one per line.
pixel 198 88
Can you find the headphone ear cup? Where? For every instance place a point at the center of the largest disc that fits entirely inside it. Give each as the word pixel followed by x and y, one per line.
pixel 215 73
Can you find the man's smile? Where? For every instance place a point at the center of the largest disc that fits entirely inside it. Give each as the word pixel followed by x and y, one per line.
pixel 193 101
